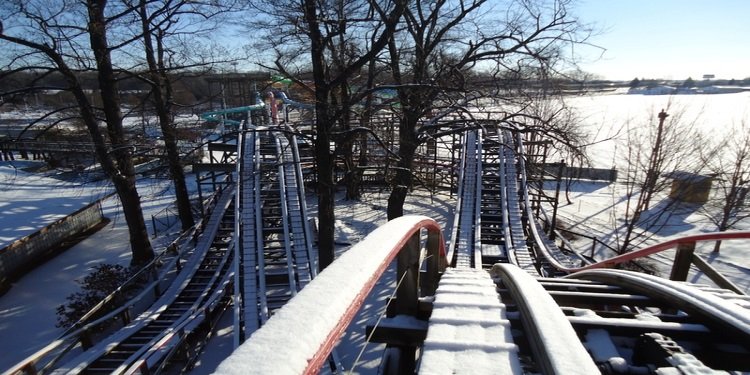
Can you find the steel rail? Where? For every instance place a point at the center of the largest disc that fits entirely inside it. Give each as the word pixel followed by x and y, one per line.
pixel 541 244
pixel 163 346
pixel 466 231
pixel 82 362
pixel 159 354
pixel 459 202
pixel 475 252
pixel 555 344
pixel 300 192
pixel 523 257
pixel 249 234
pixel 273 230
pixel 285 216
pixel 727 315
pixel 505 204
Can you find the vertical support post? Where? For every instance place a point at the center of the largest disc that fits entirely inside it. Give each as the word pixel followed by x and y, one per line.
pixel 682 260
pixel 154 275
pixel 200 194
pixel 407 295
pixel 553 223
pixel 454 175
pixel 153 224
pixel 593 247
pixel 85 339
pixel 431 277
pixel 125 316
pixel 407 274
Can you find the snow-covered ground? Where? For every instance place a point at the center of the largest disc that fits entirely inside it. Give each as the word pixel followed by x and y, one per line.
pixel 598 208
pixel 30 201
pixel 592 212
pixel 606 117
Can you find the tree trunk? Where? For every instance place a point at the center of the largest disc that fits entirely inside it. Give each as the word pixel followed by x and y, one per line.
pixel 123 177
pixel 323 156
pixel 326 187
pixel 403 179
pixel 160 88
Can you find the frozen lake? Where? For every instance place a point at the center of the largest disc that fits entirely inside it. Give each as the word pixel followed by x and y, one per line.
pixel 606 116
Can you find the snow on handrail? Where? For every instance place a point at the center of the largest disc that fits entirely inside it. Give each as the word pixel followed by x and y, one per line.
pixel 299 337
pixel 710 272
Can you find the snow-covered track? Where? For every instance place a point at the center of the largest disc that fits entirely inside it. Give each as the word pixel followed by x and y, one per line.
pixel 503 320
pixel 200 276
pixel 597 321
pixel 551 260
pixel 462 252
pixel 275 241
pixel 520 254
pixel 468 328
pixel 469 331
pixel 487 226
pixel 664 323
pixel 627 322
pixel 288 343
pixel 730 319
pixel 494 237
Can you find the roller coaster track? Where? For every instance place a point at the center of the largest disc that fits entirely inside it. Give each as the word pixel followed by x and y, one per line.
pixel 509 182
pixel 488 225
pixel 507 321
pixel 521 316
pixel 265 229
pixel 272 219
pixel 203 273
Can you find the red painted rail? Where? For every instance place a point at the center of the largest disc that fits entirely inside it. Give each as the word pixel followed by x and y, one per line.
pixel 683 257
pixel 670 244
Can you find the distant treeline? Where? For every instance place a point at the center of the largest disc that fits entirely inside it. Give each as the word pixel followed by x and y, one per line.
pixel 199 88
pixel 50 88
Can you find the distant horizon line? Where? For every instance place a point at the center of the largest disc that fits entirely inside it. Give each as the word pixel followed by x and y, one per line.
pixel 698 78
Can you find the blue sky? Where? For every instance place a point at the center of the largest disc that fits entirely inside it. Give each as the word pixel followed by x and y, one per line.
pixel 672 39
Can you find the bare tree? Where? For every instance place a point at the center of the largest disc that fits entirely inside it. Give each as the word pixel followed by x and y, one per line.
pixel 729 161
pixel 48 37
pixel 655 153
pixel 164 25
pixel 330 42
pixel 322 47
pixel 442 44
pixel 315 16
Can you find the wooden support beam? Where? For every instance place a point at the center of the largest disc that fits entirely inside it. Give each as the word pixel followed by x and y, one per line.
pixel 682 260
pixel 222 147
pixel 213 167
pixel 398 331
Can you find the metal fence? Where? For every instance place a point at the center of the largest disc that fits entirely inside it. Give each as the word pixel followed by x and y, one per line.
pixel 24 253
